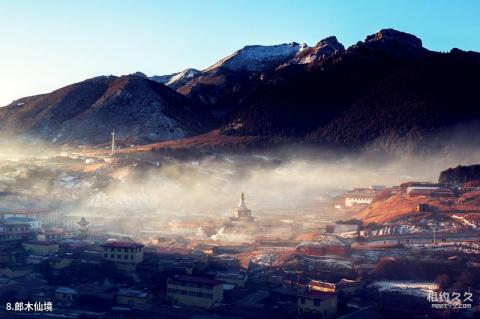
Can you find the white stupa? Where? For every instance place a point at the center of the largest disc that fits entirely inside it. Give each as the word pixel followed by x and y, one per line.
pixel 242 213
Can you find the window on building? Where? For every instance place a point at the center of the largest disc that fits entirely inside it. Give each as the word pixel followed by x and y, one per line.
pixel 302 300
pixel 317 302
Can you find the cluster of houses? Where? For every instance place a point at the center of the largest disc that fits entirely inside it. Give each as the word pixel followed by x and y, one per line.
pixel 33 240
pixel 288 277
pixel 362 197
pixel 186 285
pixel 358 197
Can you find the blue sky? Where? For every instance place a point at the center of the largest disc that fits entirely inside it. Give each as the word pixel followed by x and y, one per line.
pixel 48 44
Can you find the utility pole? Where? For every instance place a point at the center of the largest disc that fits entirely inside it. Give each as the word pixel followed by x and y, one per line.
pixel 113 143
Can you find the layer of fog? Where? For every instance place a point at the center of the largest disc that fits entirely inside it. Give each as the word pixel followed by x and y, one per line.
pixel 212 186
pixel 13 148
pixel 283 182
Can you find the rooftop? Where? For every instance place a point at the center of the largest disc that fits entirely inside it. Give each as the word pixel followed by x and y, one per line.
pixel 325 241
pixel 27 211
pixel 133 293
pixel 66 290
pixel 51 231
pixel 17 219
pixel 318 295
pixel 230 275
pixel 41 242
pixel 198 280
pixel 122 244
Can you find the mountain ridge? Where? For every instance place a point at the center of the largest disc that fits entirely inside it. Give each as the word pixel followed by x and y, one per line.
pixel 85 112
pixel 387 89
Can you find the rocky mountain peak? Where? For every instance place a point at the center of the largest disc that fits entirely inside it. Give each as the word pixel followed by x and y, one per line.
pixel 175 80
pixel 392 42
pixel 139 74
pixel 321 50
pixel 330 41
pixel 257 58
pixel 392 36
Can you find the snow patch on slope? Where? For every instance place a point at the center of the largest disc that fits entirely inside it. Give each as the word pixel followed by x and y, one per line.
pixel 257 58
pixel 323 49
pixel 185 75
pixel 178 78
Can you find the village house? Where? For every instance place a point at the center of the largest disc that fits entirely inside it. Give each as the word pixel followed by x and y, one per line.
pixel 60 262
pixel 65 294
pixel 12 233
pixel 132 297
pixel 195 291
pixel 360 196
pixel 41 247
pixel 405 187
pixel 327 246
pixel 177 265
pixel 317 303
pixel 125 255
pixel 46 216
pixel 33 223
pixel 343 289
pixel 235 278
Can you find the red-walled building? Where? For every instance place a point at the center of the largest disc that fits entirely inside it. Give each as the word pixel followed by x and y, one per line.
pixel 328 246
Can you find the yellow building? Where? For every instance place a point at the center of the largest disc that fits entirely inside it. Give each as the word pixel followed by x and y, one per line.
pixel 41 247
pixel 132 297
pixel 345 288
pixel 126 255
pixel 65 294
pixel 318 303
pixel 195 291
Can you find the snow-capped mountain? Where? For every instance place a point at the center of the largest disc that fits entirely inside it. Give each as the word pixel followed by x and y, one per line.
pixel 322 50
pixel 258 58
pixel 385 90
pixel 178 79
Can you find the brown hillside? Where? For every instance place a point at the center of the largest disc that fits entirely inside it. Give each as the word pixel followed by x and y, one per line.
pixel 397 206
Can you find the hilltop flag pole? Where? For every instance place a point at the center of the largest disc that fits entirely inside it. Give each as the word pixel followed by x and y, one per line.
pixel 113 143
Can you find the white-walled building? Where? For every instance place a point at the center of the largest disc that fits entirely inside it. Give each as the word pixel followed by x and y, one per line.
pixel 359 196
pixel 34 223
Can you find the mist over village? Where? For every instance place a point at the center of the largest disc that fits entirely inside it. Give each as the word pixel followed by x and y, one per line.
pixel 338 178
